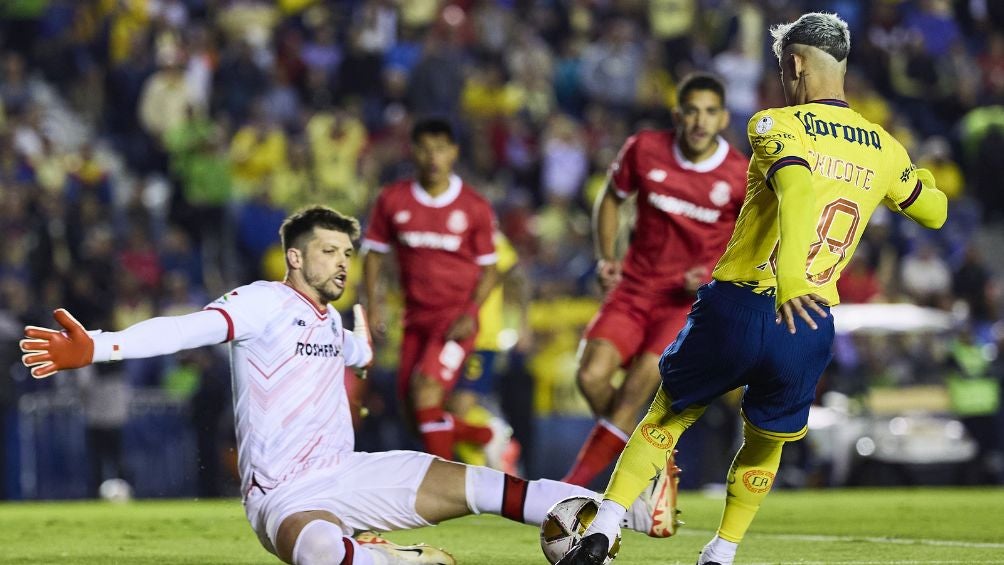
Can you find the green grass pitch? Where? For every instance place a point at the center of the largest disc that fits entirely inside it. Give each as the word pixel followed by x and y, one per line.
pixel 896 526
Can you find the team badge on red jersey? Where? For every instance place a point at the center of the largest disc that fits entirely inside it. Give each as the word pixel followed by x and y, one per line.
pixel 457 222
pixel 721 193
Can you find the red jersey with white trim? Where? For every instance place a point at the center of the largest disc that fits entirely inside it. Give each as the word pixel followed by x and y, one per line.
pixel 686 211
pixel 441 242
pixel 288 358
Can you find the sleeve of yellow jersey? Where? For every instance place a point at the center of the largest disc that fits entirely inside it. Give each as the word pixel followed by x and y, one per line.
pixel 914 193
pixel 779 154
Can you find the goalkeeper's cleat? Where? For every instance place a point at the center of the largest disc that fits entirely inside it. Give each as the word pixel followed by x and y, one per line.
pixel 395 554
pixel 591 550
pixel 660 499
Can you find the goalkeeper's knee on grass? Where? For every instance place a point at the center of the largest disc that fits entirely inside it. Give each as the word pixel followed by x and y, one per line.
pixel 321 543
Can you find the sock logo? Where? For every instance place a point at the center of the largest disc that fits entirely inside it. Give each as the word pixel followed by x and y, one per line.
pixel 657 436
pixel 758 481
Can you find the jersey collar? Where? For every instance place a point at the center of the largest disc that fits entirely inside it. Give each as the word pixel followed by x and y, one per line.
pixel 443 200
pixel 321 311
pixel 831 102
pixel 709 164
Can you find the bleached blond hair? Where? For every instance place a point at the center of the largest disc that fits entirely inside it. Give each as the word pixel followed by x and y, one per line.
pixel 827 32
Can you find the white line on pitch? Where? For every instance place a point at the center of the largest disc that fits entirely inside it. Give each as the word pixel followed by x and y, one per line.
pixel 967 562
pixel 869 539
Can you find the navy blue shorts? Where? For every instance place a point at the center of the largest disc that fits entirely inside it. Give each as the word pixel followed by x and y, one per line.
pixel 731 340
pixel 479 372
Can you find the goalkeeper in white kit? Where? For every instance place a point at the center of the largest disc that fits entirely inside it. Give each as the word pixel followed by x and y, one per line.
pixel 309 497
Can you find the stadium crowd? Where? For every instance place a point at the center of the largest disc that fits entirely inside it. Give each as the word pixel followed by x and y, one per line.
pixel 149 150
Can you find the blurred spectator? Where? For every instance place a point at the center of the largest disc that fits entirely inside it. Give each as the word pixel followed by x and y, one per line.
pixel 139 258
pixel 933 22
pixel 670 23
pixel 124 86
pixel 564 163
pixel 16 90
pixel 436 81
pixel 166 98
pixel 972 284
pixel 741 74
pixel 202 62
pixel 105 395
pixel 294 185
pixel 487 94
pixel 238 82
pixel 179 261
pixel 337 139
pixel 992 69
pixel 282 101
pixel 208 406
pixel 611 66
pixel 858 282
pixel 935 155
pixel 257 150
pixel 865 100
pixel 323 55
pixel 926 277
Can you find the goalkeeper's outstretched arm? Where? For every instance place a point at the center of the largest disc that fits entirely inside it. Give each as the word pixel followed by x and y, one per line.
pixel 47 351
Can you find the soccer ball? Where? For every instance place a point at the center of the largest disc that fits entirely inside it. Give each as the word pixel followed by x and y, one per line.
pixel 115 490
pixel 564 525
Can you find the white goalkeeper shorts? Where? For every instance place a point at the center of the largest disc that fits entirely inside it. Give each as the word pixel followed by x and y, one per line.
pixel 366 491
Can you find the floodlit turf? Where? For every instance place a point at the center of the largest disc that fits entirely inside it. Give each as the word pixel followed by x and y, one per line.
pixel 904 526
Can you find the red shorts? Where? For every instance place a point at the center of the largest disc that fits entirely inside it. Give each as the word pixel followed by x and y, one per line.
pixel 637 321
pixel 425 351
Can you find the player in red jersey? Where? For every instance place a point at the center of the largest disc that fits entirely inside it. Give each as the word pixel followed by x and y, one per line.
pixel 442 231
pixel 690 185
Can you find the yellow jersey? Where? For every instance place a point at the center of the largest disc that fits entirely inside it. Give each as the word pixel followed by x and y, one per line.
pixel 490 316
pixel 794 238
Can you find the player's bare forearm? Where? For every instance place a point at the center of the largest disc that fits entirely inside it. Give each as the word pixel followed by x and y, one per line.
pixel 605 223
pixel 372 264
pixel 489 279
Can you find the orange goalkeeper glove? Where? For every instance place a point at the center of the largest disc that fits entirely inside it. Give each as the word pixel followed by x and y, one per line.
pixel 47 351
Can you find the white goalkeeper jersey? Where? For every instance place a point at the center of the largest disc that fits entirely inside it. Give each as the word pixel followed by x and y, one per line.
pixel 288 358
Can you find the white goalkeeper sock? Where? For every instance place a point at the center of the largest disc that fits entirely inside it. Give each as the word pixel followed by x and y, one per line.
pixel 493 492
pixel 320 542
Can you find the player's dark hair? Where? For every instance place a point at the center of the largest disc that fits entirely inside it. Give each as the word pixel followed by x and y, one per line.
pixel 304 222
pixel 432 126
pixel 827 32
pixel 700 81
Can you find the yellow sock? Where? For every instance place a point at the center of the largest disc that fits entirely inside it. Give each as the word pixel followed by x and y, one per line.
pixel 646 450
pixel 472 453
pixel 750 479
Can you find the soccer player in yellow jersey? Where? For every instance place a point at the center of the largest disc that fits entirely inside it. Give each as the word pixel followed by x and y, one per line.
pixel 478 379
pixel 818 172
